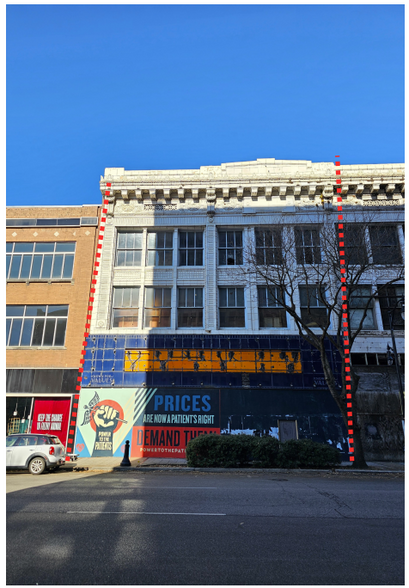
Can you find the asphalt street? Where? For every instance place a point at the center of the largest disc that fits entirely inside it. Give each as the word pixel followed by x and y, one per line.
pixel 195 528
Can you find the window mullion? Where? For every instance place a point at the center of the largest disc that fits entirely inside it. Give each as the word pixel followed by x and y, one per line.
pixel 55 328
pixel 11 329
pixel 44 325
pixel 31 264
pixel 41 267
pixel 52 264
pixel 32 332
pixel 22 326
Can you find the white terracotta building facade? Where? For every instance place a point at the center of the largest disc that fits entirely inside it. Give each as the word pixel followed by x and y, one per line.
pixel 171 277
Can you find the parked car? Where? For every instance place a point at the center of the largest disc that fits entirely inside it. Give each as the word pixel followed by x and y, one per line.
pixel 34 452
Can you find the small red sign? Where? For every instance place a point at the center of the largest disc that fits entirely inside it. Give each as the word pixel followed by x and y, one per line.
pixel 51 416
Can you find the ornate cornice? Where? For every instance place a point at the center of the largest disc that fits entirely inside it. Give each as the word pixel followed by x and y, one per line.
pixel 263 179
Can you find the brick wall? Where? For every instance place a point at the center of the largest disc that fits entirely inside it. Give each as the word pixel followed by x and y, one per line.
pixel 73 292
pixel 51 211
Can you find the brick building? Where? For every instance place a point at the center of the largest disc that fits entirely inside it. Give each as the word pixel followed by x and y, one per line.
pixel 50 253
pixel 181 344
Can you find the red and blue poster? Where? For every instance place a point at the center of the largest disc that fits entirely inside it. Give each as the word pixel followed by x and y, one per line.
pixel 157 422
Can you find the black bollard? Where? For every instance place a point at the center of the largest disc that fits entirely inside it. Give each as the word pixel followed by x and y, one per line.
pixel 125 462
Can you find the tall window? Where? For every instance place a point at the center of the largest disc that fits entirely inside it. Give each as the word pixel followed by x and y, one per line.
pixel 307 246
pixel 158 303
pixel 269 247
pixel 230 248
pixel 129 249
pixel 385 245
pixel 390 298
pixel 39 261
pixel 312 303
pixel 190 247
pixel 358 299
pixel 231 307
pixel 125 307
pixel 355 245
pixel 36 326
pixel 270 308
pixel 160 248
pixel 190 307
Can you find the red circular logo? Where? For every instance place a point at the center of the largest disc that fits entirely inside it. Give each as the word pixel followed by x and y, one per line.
pixel 113 405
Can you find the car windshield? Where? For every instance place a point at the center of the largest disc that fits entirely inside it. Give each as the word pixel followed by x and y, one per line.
pixel 10 441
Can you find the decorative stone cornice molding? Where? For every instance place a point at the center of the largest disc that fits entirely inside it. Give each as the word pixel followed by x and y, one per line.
pixel 258 180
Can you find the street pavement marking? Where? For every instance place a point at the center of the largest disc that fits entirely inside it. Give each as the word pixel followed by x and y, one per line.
pixel 196 514
pixel 172 487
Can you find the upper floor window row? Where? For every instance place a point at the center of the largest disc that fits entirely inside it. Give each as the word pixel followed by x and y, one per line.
pixel 36 326
pixel 157 307
pixel 381 242
pixel 52 222
pixel 159 248
pixel 39 261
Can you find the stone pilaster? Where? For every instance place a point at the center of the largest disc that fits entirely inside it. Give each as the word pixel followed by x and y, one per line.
pixel 211 309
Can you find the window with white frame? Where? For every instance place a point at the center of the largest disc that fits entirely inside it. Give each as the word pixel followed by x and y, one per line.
pixel 270 308
pixel 125 307
pixel 231 307
pixel 158 303
pixel 39 261
pixel 36 326
pixel 385 245
pixel 160 248
pixel 312 305
pixel 307 245
pixel 190 248
pixel 129 249
pixel 190 307
pixel 269 246
pixel 359 300
pixel 230 247
pixel 391 302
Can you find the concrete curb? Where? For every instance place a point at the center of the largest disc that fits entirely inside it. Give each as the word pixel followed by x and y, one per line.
pixel 144 469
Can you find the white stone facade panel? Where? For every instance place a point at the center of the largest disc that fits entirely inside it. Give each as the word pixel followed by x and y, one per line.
pixel 242 196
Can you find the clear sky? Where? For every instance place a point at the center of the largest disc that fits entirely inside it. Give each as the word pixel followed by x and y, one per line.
pixel 180 86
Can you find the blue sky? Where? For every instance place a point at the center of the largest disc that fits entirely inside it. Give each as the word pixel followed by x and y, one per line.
pixel 180 86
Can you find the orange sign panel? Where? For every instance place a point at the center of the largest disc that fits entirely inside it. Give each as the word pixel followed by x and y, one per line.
pixel 212 360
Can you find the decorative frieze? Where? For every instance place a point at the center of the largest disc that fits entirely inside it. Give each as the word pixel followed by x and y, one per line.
pixel 252 181
pixel 157 207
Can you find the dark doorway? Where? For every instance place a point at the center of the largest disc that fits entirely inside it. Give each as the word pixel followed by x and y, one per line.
pixel 288 430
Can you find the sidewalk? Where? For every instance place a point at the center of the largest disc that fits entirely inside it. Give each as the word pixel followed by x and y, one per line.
pixel 110 464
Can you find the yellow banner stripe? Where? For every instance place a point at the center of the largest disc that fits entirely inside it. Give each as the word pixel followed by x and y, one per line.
pixel 212 360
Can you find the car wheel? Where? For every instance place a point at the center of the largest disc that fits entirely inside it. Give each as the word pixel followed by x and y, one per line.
pixel 37 465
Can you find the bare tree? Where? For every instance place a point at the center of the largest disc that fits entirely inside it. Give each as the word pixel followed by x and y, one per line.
pixel 329 295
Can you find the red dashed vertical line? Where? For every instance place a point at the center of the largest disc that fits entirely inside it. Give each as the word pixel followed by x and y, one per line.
pixel 347 360
pixel 74 408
